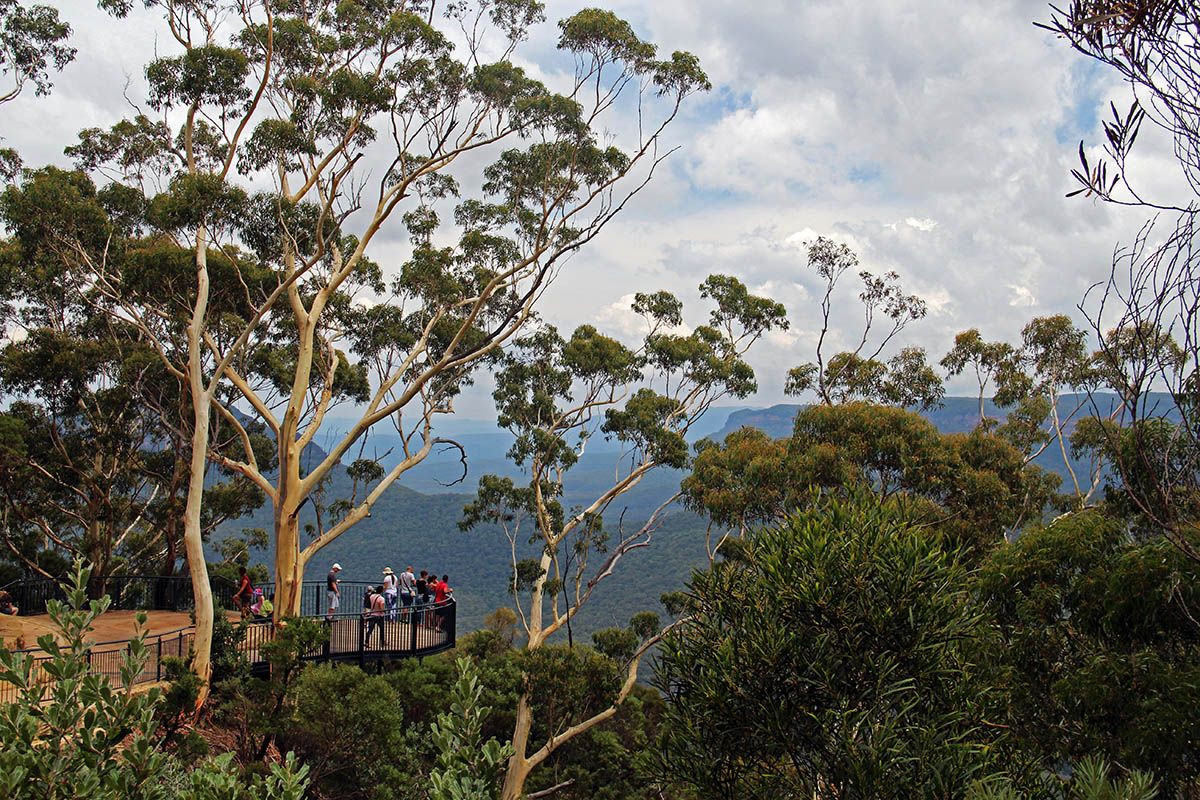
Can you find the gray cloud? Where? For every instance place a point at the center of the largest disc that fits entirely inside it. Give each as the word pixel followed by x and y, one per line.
pixel 935 136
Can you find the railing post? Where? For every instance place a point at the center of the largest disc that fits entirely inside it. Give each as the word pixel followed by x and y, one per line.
pixel 362 631
pixel 412 627
pixel 158 666
pixel 452 622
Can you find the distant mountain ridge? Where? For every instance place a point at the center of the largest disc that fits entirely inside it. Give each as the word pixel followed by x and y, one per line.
pixel 954 415
pixel 416 522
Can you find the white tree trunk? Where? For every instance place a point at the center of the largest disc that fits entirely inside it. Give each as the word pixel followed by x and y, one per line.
pixel 192 538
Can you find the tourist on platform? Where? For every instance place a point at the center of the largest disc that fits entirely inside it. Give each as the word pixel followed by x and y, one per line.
pixel 376 615
pixel 262 607
pixel 389 591
pixel 424 596
pixel 245 592
pixel 333 594
pixel 408 589
pixel 7 606
pixel 441 593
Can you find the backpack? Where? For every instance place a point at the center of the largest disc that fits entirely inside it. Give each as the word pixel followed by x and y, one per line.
pixel 367 598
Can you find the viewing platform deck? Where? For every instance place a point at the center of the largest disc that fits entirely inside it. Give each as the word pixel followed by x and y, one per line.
pixel 353 638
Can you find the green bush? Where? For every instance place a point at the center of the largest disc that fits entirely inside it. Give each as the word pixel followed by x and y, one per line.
pixel 1097 648
pixel 829 656
pixel 72 733
pixel 348 728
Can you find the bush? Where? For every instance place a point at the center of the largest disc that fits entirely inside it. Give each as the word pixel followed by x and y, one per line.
pixel 348 727
pixel 829 655
pixel 78 735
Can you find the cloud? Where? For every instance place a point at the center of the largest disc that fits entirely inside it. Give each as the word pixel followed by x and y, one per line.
pixel 935 138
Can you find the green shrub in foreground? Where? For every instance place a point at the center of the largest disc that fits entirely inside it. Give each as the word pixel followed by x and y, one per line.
pixel 80 735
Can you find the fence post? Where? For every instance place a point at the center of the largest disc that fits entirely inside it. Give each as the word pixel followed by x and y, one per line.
pixel 412 628
pixel 362 630
pixel 158 667
pixel 452 619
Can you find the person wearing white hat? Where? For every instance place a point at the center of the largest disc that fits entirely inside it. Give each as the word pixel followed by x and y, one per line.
pixel 332 593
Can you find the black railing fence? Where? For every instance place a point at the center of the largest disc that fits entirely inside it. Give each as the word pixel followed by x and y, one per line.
pixel 313 602
pixel 106 658
pixel 358 638
pixel 128 592
pixel 353 638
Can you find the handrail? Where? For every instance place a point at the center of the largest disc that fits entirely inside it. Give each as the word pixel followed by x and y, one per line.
pixel 148 638
pixel 410 632
pixel 141 592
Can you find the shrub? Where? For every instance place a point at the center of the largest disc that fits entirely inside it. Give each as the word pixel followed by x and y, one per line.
pixel 79 735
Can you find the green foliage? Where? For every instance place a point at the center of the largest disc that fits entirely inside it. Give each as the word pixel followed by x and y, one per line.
pixel 32 42
pixel 468 768
pixel 969 489
pixel 349 729
pixel 1097 649
pixel 611 761
pixel 251 707
pixel 1090 781
pixel 831 653
pixel 906 379
pixel 73 732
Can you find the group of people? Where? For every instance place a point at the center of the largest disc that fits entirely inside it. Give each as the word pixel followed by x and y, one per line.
pixel 251 601
pixel 406 596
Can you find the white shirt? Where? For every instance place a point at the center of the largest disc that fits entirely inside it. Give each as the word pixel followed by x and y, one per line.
pixel 389 584
pixel 408 582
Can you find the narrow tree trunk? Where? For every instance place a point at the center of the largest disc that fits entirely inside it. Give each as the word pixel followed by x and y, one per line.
pixel 192 532
pixel 518 768
pixel 289 572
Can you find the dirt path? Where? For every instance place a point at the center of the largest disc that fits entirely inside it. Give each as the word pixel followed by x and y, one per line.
pixel 113 626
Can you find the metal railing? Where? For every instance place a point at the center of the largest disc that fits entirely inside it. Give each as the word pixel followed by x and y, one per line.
pixel 354 637
pixel 412 631
pixel 128 592
pixel 106 658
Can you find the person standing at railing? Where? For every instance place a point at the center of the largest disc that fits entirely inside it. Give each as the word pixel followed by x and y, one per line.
pixel 408 590
pixel 422 598
pixel 245 590
pixel 376 616
pixel 389 591
pixel 441 594
pixel 333 594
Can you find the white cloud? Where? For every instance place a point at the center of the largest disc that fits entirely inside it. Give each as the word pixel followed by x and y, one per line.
pixel 934 137
pixel 921 224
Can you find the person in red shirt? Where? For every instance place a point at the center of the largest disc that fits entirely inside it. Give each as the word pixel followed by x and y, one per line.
pixel 245 591
pixel 441 593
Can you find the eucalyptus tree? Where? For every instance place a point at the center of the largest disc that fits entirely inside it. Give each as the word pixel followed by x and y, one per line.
pixel 332 79
pixel 254 170
pixel 555 394
pixel 1047 384
pixel 989 362
pixel 33 42
pixel 1151 298
pixel 906 379
pixel 95 445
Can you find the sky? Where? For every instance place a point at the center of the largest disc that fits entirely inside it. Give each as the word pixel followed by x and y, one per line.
pixel 935 137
